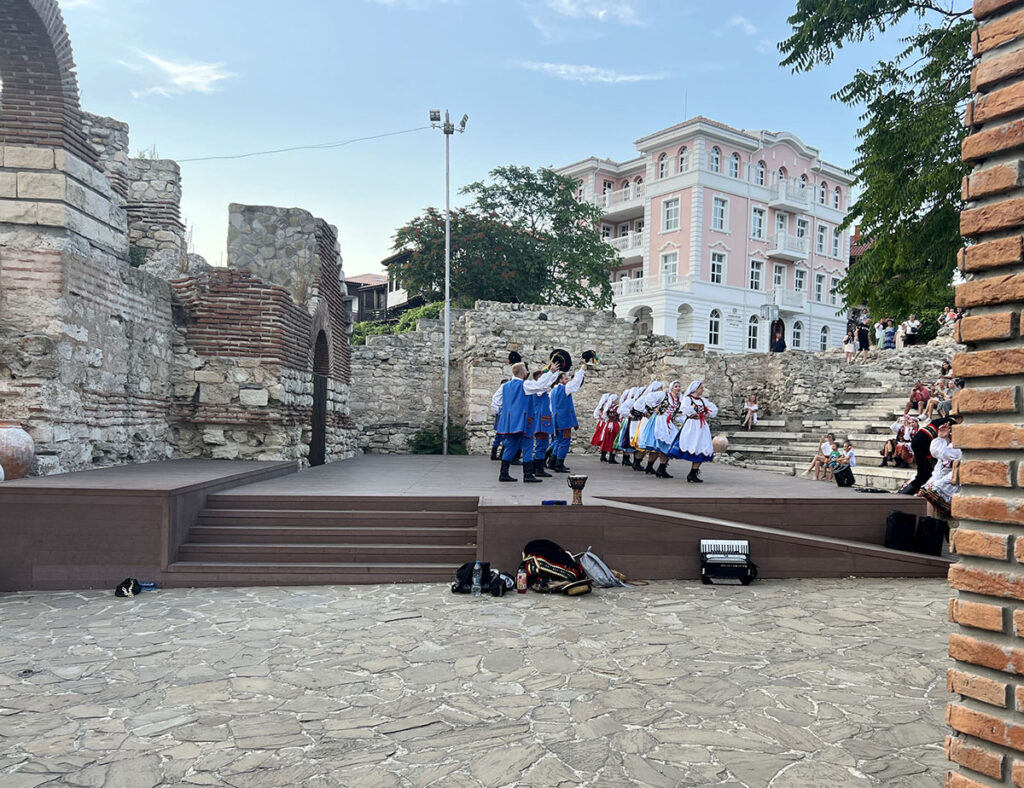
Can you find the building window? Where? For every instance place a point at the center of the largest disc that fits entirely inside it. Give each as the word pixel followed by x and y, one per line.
pixel 606 231
pixel 752 333
pixel 720 214
pixel 833 296
pixel 670 267
pixel 715 160
pixel 760 173
pixel 638 188
pixel 836 236
pixel 757 223
pixel 607 187
pixel 717 268
pixel 782 175
pixel 756 273
pixel 821 238
pixel 670 215
pixel 714 327
pixel 797 335
pixel 823 345
pixel 801 228
pixel 779 277
pixel 837 198
pixel 823 193
pixel 663 165
pixel 799 280
pixel 819 287
pixel 579 192
pixel 684 159
pixel 781 222
pixel 623 229
pixel 734 166
pixel 625 188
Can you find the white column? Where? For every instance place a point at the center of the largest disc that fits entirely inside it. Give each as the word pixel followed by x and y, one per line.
pixel 664 321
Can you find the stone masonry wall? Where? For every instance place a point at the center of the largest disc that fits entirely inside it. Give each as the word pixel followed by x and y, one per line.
pixel 986 712
pixel 153 205
pixel 109 138
pixel 399 377
pixel 279 245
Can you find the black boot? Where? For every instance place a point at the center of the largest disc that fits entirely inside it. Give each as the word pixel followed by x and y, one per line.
pixel 503 476
pixel 627 460
pixel 604 456
pixel 638 463
pixel 885 462
pixel 650 466
pixel 517 459
pixel 528 476
pixel 560 467
pixel 495 453
pixel 693 476
pixel 538 469
pixel 612 460
pixel 662 473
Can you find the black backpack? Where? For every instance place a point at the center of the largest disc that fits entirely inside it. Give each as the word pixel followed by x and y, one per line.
pixel 551 569
pixel 493 583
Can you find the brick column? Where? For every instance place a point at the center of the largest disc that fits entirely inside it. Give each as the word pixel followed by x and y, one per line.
pixel 987 676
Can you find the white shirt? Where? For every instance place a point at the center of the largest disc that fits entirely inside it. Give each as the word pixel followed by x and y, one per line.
pixel 849 455
pixel 538 386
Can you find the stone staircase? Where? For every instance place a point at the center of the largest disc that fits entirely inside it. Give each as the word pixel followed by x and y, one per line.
pixel 327 539
pixel 862 414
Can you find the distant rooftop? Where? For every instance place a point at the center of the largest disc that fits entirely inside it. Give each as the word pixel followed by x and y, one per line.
pixel 367 279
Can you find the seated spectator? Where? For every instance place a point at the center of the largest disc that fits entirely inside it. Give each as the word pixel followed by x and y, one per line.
pixel 946 371
pixel 750 408
pixel 848 457
pixel 939 393
pixel 888 336
pixel 825 444
pixel 833 462
pixel 919 396
pixel 945 407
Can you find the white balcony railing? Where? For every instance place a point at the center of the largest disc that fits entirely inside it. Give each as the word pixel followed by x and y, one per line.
pixel 791 247
pixel 620 198
pixel 650 284
pixel 628 242
pixel 787 298
pixel 790 194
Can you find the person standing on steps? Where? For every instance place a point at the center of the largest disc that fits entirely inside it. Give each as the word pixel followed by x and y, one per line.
pixel 563 411
pixel 694 441
pixel 513 401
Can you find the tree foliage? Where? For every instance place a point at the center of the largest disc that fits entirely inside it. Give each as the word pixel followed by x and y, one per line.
pixel 908 167
pixel 524 238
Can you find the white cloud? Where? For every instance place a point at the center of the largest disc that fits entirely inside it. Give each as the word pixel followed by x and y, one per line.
pixel 176 77
pixel 585 74
pixel 621 11
pixel 767 46
pixel 744 24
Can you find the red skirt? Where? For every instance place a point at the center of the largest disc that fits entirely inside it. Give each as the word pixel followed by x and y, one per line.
pixel 611 430
pixel 598 433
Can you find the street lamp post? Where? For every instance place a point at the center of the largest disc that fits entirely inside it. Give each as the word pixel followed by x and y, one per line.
pixel 448 128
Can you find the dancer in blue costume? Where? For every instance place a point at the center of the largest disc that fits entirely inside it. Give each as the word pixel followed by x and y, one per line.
pixel 516 422
pixel 563 412
pixel 542 429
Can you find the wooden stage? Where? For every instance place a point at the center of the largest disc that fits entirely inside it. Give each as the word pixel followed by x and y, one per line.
pixel 403 518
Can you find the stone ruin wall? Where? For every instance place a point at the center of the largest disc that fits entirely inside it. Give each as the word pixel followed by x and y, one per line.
pixel 399 377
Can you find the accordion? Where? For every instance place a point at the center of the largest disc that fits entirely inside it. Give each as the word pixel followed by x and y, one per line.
pixel 726 560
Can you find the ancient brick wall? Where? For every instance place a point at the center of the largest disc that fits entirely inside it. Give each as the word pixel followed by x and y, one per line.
pixel 153 205
pixel 987 712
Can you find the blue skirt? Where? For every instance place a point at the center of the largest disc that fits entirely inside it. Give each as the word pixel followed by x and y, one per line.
pixel 646 439
pixel 678 454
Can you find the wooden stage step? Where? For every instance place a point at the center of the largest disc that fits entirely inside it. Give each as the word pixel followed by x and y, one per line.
pixel 228 573
pixel 391 503
pixel 328 534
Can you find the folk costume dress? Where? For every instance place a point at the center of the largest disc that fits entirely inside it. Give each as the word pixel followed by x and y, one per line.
pixel 642 415
pixel 611 422
pixel 625 411
pixel 939 489
pixel 694 441
pixel 602 423
pixel 647 440
pixel 668 423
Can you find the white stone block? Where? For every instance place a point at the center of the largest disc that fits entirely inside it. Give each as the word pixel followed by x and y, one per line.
pixel 8 184
pixel 253 397
pixel 20 158
pixel 19 212
pixel 41 185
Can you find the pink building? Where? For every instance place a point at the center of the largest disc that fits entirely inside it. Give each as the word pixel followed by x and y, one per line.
pixel 722 233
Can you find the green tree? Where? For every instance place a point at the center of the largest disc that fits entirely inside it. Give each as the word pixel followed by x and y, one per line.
pixel 524 238
pixel 908 167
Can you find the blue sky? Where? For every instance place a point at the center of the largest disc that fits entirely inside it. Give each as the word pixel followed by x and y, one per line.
pixel 545 83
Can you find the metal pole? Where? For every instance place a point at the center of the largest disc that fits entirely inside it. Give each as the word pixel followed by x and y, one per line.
pixel 447 274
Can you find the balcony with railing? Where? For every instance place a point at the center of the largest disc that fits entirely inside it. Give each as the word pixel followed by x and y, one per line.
pixel 628 245
pixel 650 284
pixel 789 197
pixel 620 199
pixel 787 247
pixel 787 299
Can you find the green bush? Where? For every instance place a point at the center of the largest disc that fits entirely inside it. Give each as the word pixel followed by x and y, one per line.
pixel 429 440
pixel 369 328
pixel 136 256
pixel 929 317
pixel 407 322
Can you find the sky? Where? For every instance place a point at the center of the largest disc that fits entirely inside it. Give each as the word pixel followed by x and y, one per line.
pixel 544 82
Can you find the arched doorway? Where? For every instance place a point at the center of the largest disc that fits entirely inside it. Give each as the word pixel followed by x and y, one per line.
pixel 321 370
pixel 643 316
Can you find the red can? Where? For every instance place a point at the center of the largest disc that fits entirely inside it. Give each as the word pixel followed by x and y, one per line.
pixel 521 581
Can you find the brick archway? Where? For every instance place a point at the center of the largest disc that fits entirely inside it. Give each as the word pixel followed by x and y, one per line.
pixel 39 103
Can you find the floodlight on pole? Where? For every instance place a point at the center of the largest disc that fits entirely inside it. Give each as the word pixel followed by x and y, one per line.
pixel 448 128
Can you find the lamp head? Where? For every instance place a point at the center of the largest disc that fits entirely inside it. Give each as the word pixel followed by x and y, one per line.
pixel 435 116
pixel 463 122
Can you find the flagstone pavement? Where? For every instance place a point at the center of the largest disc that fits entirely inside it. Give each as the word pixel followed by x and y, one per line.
pixel 781 684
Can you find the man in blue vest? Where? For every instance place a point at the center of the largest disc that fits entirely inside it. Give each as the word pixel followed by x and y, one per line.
pixel 516 422
pixel 563 412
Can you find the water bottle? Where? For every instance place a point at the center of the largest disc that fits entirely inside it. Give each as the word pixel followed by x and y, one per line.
pixel 478 572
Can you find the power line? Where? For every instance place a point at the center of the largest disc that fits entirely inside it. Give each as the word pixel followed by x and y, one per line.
pixel 320 146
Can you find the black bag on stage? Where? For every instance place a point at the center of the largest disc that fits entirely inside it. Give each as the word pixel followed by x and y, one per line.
pixel 931 533
pixel 844 476
pixel 543 558
pixel 900 530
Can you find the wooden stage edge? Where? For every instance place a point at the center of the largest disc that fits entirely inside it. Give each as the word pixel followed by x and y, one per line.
pixel 396 518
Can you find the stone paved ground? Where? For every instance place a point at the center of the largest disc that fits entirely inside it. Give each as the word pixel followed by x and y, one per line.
pixel 784 683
